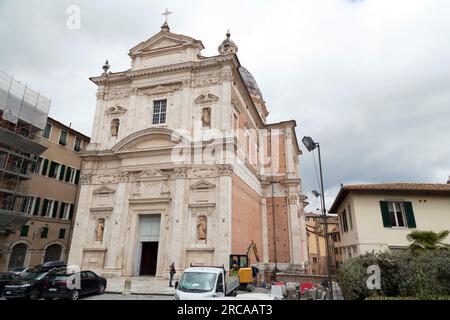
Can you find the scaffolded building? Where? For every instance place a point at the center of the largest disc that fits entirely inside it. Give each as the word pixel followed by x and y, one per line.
pixel 23 115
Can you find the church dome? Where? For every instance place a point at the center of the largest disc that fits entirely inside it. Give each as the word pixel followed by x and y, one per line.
pixel 250 82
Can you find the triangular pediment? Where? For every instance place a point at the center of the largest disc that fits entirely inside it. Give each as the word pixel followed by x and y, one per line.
pixel 104 190
pixel 164 41
pixel 150 174
pixel 203 185
pixel 116 110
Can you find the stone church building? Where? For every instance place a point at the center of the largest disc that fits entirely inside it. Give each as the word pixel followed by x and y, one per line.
pixel 183 167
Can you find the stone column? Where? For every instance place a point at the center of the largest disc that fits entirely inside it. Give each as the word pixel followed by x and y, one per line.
pixel 224 214
pixel 116 247
pixel 82 220
pixel 265 231
pixel 294 226
pixel 177 251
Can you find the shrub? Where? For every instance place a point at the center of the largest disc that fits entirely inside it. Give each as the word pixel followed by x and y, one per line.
pixel 403 274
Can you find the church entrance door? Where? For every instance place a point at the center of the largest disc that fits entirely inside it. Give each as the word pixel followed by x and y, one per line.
pixel 149 230
pixel 149 258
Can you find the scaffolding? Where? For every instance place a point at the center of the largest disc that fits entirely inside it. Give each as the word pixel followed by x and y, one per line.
pixel 23 115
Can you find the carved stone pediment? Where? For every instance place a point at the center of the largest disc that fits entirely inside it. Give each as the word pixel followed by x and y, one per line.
pixel 116 111
pixel 206 98
pixel 151 174
pixel 164 88
pixel 163 42
pixel 104 190
pixel 202 185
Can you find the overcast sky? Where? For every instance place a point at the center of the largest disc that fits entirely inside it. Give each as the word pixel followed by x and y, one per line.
pixel 369 80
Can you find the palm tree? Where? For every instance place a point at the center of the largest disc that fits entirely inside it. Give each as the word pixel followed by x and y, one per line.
pixel 427 240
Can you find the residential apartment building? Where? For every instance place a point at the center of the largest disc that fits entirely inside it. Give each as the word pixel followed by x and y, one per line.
pixel 378 217
pixel 317 254
pixel 54 192
pixel 23 115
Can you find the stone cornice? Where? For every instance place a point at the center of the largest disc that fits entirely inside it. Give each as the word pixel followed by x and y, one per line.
pixel 127 76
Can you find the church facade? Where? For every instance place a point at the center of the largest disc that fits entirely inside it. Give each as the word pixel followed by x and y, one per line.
pixel 183 167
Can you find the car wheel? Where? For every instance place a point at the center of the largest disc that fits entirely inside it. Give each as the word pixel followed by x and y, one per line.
pixel 35 294
pixel 75 295
pixel 101 288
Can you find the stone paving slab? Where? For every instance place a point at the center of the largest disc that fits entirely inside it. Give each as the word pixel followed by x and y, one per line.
pixel 139 285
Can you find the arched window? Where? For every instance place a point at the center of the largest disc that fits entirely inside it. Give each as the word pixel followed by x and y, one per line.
pixel 18 255
pixel 53 253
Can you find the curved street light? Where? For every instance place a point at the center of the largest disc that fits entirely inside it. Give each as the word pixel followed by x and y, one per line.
pixel 310 144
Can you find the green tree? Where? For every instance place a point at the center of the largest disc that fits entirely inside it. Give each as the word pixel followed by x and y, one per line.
pixel 427 240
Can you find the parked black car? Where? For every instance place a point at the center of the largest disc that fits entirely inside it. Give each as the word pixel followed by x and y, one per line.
pixel 27 286
pixel 63 285
pixel 5 279
pixel 50 265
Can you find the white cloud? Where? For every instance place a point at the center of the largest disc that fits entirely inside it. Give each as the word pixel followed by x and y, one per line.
pixel 367 79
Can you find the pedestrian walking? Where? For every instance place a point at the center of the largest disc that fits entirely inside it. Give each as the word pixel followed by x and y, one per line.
pixel 172 273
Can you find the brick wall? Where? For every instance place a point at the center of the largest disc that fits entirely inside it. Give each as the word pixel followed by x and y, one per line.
pixel 246 219
pixel 281 230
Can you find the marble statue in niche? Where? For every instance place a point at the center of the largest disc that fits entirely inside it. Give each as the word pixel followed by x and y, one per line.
pixel 115 123
pixel 201 227
pixel 206 117
pixel 99 229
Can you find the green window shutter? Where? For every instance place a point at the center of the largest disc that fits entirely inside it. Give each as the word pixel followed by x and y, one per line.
pixel 44 168
pixel 62 233
pixel 71 212
pixel 61 211
pixel 61 173
pixel 77 177
pixel 411 221
pixel 44 207
pixel 55 209
pixel 24 231
pixel 51 172
pixel 385 214
pixel 44 233
pixel 68 174
pixel 36 206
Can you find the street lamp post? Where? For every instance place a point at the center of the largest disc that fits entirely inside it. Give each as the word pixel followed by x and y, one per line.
pixel 311 145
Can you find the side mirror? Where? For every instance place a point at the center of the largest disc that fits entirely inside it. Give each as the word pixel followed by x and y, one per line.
pixel 220 287
pixel 176 285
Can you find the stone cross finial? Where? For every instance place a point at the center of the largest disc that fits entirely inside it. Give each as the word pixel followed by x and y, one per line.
pixel 165 25
pixel 166 13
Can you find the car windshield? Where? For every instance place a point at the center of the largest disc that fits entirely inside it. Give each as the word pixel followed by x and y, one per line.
pixel 34 276
pixel 197 282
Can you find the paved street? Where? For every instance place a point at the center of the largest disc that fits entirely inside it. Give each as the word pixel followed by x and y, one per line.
pixel 113 296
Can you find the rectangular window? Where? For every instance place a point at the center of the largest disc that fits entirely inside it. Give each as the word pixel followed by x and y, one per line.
pixel 64 213
pixel 24 231
pixel 77 145
pixel 397 214
pixel 54 170
pixel 44 167
pixel 47 208
pixel 71 175
pixel 61 172
pixel 344 221
pixel 63 138
pixel 62 233
pixel 36 203
pixel 47 131
pixel 38 166
pixel 159 111
pixel 44 232
pixel 350 217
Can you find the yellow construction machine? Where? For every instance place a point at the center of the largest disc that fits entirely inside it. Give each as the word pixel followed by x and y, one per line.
pixel 240 266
